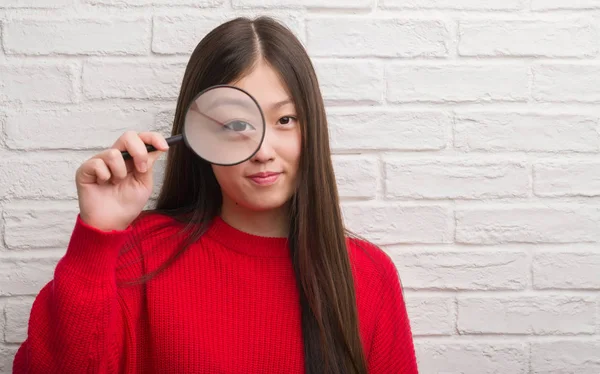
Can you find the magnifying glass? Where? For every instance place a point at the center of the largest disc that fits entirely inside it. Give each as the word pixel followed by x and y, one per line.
pixel 223 125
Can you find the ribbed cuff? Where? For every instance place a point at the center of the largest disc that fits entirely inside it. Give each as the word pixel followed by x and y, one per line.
pixel 92 253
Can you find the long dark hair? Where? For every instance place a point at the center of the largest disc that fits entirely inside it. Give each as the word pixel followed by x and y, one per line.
pixel 190 192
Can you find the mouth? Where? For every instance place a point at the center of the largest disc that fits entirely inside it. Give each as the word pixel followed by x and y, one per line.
pixel 264 178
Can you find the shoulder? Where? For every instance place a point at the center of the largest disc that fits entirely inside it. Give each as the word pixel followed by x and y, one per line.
pixel 377 285
pixel 370 263
pixel 369 255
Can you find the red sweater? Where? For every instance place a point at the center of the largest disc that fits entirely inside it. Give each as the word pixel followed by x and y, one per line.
pixel 228 305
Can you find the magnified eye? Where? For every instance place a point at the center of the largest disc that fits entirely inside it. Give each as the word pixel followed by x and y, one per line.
pixel 238 126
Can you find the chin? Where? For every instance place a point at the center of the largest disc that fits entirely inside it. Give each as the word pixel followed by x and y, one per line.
pixel 264 207
pixel 265 204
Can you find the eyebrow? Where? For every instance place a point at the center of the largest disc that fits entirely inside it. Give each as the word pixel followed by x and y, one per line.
pixel 282 103
pixel 246 104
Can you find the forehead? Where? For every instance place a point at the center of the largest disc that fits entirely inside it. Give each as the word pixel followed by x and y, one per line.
pixel 264 84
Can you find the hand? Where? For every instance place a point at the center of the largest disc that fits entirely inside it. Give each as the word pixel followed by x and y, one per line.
pixel 112 192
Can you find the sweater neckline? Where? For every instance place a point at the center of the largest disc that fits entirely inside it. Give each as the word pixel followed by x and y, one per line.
pixel 246 243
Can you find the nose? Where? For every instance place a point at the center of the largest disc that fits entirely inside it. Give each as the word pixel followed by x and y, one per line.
pixel 266 152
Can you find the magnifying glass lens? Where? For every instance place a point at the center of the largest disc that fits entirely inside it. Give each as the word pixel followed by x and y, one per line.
pixel 224 125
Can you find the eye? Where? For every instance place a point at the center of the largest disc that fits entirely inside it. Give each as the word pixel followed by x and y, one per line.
pixel 238 126
pixel 286 120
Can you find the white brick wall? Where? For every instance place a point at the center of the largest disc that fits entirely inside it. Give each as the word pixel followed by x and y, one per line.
pixel 466 137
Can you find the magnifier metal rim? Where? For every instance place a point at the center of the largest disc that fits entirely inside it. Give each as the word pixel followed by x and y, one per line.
pixel 262 117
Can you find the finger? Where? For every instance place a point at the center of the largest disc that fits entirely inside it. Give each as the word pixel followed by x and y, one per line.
pixel 134 145
pixel 102 171
pixel 94 171
pixel 158 141
pixel 115 162
pixel 155 139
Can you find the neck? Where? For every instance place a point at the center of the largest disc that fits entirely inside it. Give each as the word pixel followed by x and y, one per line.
pixel 269 223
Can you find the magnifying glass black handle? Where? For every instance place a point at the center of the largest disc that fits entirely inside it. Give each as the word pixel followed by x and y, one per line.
pixel 170 141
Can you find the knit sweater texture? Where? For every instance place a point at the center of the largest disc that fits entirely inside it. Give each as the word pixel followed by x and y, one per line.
pixel 228 304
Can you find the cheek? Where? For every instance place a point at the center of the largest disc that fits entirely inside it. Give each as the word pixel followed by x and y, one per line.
pixel 227 176
pixel 291 149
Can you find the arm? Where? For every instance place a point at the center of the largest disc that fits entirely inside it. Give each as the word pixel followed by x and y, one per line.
pixel 76 325
pixel 392 350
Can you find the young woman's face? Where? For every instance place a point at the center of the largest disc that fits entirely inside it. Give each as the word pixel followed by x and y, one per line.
pixel 268 179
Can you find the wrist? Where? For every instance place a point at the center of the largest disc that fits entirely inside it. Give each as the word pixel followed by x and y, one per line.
pixel 103 226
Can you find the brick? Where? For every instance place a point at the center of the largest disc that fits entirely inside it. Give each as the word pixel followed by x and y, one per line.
pixel 382 129
pixel 530 38
pixel 163 121
pixel 573 178
pixel 555 82
pixel 7 355
pixel 180 34
pixel 158 177
pixel 346 4
pixel 77 36
pixel 381 37
pixel 598 317
pixel 538 315
pixel 17 311
pixel 460 270
pixel 564 4
pixel 194 3
pixel 40 4
pixel 365 87
pixel 454 179
pixel 34 81
pixel 150 204
pixel 453 4
pixel 462 357
pixel 357 176
pixel 25 276
pixel 547 223
pixel 456 83
pixel 39 176
pixel 133 80
pixel 391 224
pixel 2 245
pixel 525 131
pixel 2 321
pixel 173 34
pixel 430 315
pixel 565 356
pixel 3 121
pixel 569 270
pixel 81 127
pixel 39 226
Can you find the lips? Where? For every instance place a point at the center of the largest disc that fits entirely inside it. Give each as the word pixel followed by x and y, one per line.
pixel 264 178
pixel 264 174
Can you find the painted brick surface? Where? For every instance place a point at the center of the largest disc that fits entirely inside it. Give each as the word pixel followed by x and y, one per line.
pixel 465 133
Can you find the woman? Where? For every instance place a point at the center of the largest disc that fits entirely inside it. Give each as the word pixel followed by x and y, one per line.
pixel 239 269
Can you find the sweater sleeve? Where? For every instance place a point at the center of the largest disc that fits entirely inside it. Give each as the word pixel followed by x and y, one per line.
pixel 392 350
pixel 76 324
